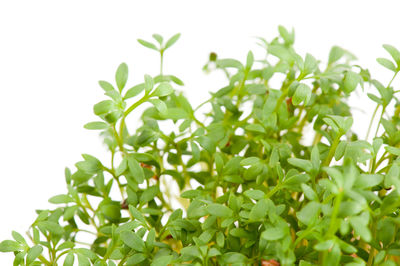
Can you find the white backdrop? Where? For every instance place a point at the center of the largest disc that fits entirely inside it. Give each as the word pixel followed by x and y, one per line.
pixel 52 53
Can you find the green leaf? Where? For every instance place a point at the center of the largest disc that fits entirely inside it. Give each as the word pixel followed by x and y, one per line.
pixel 83 260
pixel 393 150
pixel 368 180
pixel 66 245
pixel 301 163
pixel 324 245
pixel 176 113
pixel 335 54
pixel 148 83
pixel 219 162
pixel 207 143
pixel 302 94
pixel 272 234
pixel 191 252
pixel 113 116
pixel 95 125
pixel 256 89
pixel 360 227
pixel 310 64
pixel 336 175
pixel 33 253
pixel 10 246
pixel 254 194
pixel 234 258
pixel 136 259
pixel 134 91
pixel 164 89
pixel 386 63
pixel 149 194
pixel 147 44
pixel 392 176
pixel 18 237
pixel 308 213
pixel 296 180
pixel 333 256
pixel 219 210
pixel 249 60
pixel 315 159
pixel 351 81
pixel 172 40
pixel 52 227
pixel 129 226
pixel 190 194
pixel 195 151
pixel 106 86
pixel 121 76
pixel 259 211
pixel 249 161
pixel 255 128
pixel 136 170
pixel 287 37
pixel 220 239
pixel 159 105
pixel 69 259
pixel 281 52
pixel 225 63
pixel 167 78
pixel 151 238
pixel 111 212
pixel 393 52
pixel 59 199
pixel 103 107
pixel 137 214
pixel 133 241
pixel 309 192
pixel 158 38
pixel 162 260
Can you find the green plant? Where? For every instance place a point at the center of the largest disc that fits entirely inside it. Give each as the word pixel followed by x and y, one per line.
pixel 252 191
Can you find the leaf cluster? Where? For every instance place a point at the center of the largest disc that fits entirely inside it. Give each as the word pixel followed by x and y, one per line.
pixel 265 175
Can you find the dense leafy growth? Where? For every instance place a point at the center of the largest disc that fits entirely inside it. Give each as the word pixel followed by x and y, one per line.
pixel 270 174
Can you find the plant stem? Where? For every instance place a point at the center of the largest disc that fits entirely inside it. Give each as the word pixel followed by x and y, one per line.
pixel 372 120
pixel 126 113
pixel 161 61
pixel 333 224
pixel 372 249
pixel 332 150
pixel 273 191
pixel 379 121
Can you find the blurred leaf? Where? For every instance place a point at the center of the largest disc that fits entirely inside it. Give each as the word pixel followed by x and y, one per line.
pixel 121 76
pixel 172 40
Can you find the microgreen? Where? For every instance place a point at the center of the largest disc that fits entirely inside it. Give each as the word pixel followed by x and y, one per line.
pixel 252 191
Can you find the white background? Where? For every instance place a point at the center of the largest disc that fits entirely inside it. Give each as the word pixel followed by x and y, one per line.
pixel 52 53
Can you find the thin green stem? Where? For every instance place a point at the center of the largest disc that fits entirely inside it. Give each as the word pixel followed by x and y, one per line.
pixel 394 76
pixel 379 121
pixel 333 225
pixel 371 121
pixel 385 105
pixel 332 150
pixel 60 255
pixel 280 100
pixel 118 138
pixel 161 61
pixel 122 123
pixel 372 249
pixel 273 191
pixel 203 103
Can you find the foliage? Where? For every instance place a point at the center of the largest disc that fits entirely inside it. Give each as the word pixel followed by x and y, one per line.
pixel 252 189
